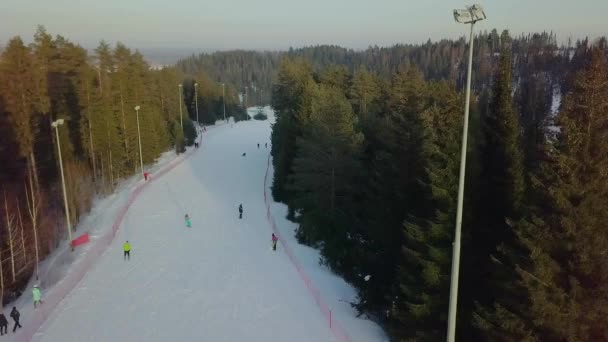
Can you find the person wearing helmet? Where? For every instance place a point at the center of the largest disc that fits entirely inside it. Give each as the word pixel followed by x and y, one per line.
pixel 127 248
pixel 188 223
pixel 36 295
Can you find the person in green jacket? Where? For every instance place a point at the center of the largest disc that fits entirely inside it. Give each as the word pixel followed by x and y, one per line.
pixel 127 248
pixel 37 296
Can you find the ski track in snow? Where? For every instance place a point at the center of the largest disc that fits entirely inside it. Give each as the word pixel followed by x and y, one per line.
pixel 216 281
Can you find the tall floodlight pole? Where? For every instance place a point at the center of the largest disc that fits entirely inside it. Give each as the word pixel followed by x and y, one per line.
pixel 196 102
pixel 56 125
pixel 141 160
pixel 224 99
pixel 470 15
pixel 181 120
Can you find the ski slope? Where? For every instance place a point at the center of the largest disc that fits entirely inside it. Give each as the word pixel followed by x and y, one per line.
pixel 216 281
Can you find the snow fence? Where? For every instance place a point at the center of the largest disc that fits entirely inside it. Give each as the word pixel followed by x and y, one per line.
pixel 337 330
pixel 33 323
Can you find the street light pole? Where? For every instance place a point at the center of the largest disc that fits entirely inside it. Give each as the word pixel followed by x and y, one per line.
pixel 224 99
pixel 181 120
pixel 196 101
pixel 246 97
pixel 469 16
pixel 141 160
pixel 56 124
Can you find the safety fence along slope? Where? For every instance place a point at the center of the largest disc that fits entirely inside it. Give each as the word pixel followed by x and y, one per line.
pixel 339 333
pixel 80 267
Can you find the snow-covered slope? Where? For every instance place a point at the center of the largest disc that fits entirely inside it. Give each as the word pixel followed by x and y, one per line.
pixel 216 281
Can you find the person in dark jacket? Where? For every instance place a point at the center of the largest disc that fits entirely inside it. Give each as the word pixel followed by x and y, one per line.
pixel 15 315
pixel 3 324
pixel 240 211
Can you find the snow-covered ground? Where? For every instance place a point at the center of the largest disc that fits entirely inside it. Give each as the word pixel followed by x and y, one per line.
pixel 216 281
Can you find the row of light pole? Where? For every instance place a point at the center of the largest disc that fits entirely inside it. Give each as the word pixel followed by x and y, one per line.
pixel 55 124
pixel 470 15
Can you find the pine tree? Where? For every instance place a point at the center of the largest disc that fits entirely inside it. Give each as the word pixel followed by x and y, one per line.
pixel 17 85
pixel 292 109
pixel 324 168
pixel 567 277
pixel 421 298
pixel 502 179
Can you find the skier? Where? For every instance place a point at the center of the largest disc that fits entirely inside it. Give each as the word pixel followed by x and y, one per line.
pixel 188 223
pixel 3 324
pixel 36 296
pixel 266 145
pixel 274 242
pixel 146 175
pixel 258 145
pixel 127 248
pixel 15 315
pixel 240 211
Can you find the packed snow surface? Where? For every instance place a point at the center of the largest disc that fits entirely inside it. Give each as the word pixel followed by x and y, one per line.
pixel 217 281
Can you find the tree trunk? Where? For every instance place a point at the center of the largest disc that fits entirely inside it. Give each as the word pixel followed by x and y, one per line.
pixel 33 206
pixel 22 238
pixel 111 173
pixel 103 176
pixel 9 228
pixel 124 124
pixel 91 135
pixel 333 189
pixel 34 169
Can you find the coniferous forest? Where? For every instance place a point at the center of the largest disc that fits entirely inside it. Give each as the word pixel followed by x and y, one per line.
pixel 366 152
pixel 95 94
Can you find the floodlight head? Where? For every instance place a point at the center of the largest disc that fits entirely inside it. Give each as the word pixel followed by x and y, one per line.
pixel 196 84
pixel 137 107
pixel 470 15
pixel 57 122
pixel 179 85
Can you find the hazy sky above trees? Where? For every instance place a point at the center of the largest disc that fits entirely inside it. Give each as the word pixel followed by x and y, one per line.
pixel 278 24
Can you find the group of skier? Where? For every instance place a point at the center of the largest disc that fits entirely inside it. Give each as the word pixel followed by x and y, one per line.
pixel 4 322
pixel 15 315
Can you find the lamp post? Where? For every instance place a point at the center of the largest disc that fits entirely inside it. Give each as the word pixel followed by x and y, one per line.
pixel 224 99
pixel 470 15
pixel 181 120
pixel 56 125
pixel 196 101
pixel 246 97
pixel 141 160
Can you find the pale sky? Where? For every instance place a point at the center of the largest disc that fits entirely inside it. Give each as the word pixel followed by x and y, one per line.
pixel 206 25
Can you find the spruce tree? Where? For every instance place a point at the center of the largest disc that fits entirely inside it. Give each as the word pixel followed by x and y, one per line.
pixel 421 295
pixel 324 170
pixel 567 238
pixel 503 186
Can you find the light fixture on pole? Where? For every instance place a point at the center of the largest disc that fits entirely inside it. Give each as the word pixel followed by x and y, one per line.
pixel 56 125
pixel 181 120
pixel 224 100
pixel 141 160
pixel 196 101
pixel 470 15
